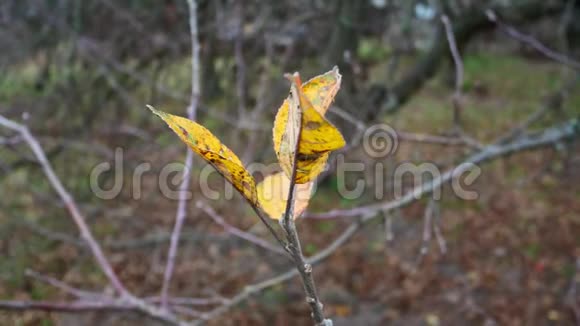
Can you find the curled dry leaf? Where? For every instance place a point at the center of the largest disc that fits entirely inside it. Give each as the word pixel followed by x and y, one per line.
pixel 292 127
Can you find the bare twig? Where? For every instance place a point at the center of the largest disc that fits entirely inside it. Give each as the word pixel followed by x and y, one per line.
pixel 346 116
pixel 458 72
pixel 548 137
pixel 435 139
pixel 457 93
pixel 427 231
pixel 126 301
pixel 431 221
pixel 237 232
pixel 389 234
pixel 408 136
pixel 123 304
pixel 190 301
pixel 184 187
pixel 76 306
pixel 81 294
pixel 531 41
pixel 437 230
pixel 69 203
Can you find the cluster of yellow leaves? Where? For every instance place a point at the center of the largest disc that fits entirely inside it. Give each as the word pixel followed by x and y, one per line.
pixel 318 136
pixel 299 125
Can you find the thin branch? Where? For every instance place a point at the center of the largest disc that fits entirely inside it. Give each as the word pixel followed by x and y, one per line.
pixel 346 116
pixel 435 139
pixel 81 294
pixel 408 136
pixel 69 203
pixel 437 230
pixel 457 93
pixel 455 54
pixel 427 231
pixel 389 234
pixel 237 232
pixel 190 301
pixel 548 137
pixel 123 304
pixel 126 301
pixel 184 187
pixel 76 306
pixel 531 41
pixel 458 71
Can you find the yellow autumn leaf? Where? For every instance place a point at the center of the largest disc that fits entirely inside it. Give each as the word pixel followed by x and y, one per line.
pixel 318 136
pixel 309 167
pixel 204 143
pixel 322 89
pixel 273 193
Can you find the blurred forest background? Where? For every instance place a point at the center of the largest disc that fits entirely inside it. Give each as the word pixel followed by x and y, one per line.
pixel 79 74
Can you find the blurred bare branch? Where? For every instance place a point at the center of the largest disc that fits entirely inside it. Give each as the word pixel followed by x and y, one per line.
pixel 531 41
pixel 126 301
pixel 184 187
pixel 237 232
